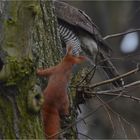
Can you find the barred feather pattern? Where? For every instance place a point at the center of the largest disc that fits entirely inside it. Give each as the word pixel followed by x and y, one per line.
pixel 69 36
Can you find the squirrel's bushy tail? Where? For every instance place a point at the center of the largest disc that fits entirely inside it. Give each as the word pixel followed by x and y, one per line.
pixel 51 121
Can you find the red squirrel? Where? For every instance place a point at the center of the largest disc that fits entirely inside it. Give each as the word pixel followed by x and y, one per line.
pixel 56 97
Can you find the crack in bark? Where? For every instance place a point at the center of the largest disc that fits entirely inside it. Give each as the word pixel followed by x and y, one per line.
pixel 1 135
pixel 15 116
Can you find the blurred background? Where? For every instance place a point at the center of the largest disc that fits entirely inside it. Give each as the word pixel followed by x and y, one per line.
pixel 124 119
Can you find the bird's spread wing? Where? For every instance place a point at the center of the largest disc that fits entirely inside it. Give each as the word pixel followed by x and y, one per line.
pixel 81 26
pixel 79 19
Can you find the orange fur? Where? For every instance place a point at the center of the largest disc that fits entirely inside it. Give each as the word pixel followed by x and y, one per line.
pixel 56 97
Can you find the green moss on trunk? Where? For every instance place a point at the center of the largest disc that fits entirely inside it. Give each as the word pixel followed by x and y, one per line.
pixel 28 44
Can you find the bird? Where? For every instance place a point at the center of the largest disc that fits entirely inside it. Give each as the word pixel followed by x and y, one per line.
pixel 77 28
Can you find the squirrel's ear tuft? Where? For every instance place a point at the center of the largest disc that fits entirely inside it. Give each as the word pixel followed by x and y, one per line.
pixel 69 48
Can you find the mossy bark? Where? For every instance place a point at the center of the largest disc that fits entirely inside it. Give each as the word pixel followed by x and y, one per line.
pixel 29 40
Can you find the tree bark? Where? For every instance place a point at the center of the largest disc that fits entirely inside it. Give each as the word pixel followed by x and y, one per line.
pixel 29 40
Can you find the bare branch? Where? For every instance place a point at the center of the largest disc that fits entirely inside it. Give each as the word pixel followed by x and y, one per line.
pixel 115 90
pixel 115 94
pixel 118 115
pixel 122 126
pixel 120 34
pixel 85 135
pixel 114 79
pixel 108 113
pixel 85 77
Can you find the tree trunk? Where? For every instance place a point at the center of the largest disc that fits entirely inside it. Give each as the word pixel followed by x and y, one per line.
pixel 29 40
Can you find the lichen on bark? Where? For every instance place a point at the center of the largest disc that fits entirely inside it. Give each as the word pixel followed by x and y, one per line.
pixel 26 44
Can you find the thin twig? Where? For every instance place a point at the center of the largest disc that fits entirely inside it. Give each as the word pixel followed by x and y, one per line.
pixel 85 135
pixel 115 90
pixel 108 113
pixel 114 79
pixel 135 132
pixel 118 115
pixel 86 76
pixel 124 95
pixel 122 126
pixel 120 34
